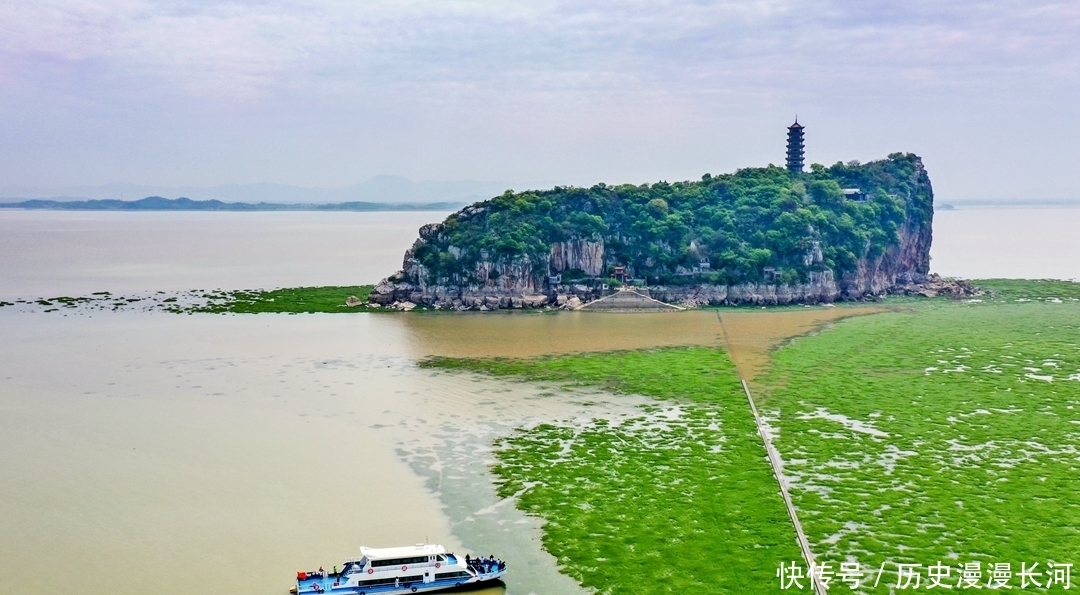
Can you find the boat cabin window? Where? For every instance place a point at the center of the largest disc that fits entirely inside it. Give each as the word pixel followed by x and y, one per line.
pixel 442 576
pixel 401 580
pixel 400 561
pixel 441 557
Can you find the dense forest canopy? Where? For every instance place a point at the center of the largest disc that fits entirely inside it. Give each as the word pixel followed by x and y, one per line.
pixel 740 223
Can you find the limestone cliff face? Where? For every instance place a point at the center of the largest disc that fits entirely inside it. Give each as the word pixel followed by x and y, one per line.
pixel 905 262
pixel 578 266
pixel 583 255
pixel 517 284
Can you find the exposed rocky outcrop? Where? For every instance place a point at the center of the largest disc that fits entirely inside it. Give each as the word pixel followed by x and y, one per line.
pixel 935 285
pixel 821 289
pixel 547 272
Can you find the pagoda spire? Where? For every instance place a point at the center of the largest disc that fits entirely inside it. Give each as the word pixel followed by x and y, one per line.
pixel 795 147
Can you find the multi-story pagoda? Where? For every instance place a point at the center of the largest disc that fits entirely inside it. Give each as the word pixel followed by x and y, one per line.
pixel 795 148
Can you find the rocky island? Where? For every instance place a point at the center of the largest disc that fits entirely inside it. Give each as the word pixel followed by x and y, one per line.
pixel 768 235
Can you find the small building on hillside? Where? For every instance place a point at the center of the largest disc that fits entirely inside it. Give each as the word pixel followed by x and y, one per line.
pixel 855 194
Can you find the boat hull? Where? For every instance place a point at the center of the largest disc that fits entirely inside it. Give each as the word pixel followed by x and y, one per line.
pixel 327 585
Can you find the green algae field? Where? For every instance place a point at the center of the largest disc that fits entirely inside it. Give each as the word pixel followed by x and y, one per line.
pixel 947 433
pixel 940 440
pixel 671 501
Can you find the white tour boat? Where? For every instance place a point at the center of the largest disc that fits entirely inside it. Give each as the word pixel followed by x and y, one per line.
pixel 422 568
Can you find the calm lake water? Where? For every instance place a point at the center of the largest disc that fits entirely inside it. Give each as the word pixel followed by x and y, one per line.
pixel 72 253
pixel 172 454
pixel 1017 243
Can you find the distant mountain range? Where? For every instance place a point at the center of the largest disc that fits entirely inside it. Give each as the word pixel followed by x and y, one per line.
pixel 157 203
pixel 380 189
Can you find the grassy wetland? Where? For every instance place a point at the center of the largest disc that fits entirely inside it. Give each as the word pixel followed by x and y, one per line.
pixel 939 431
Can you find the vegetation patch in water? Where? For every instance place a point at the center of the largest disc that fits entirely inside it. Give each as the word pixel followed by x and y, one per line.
pixel 678 499
pixel 290 300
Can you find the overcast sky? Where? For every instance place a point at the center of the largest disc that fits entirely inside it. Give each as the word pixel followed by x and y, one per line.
pixel 328 94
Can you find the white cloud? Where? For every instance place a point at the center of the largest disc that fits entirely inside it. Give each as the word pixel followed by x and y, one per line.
pixel 497 68
pixel 252 48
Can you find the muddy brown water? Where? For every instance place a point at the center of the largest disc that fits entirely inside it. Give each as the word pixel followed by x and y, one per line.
pixel 174 454
pixel 747 334
pixel 221 453
pixel 521 335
